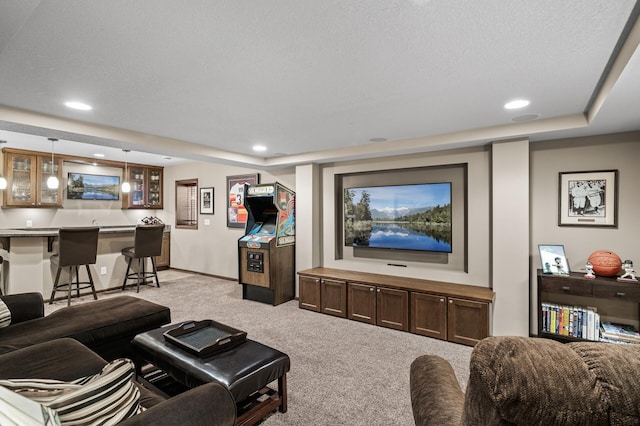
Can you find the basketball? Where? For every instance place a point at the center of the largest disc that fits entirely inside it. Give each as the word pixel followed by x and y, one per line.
pixel 605 263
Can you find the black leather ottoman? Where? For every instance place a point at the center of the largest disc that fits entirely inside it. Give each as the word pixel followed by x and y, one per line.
pixel 246 370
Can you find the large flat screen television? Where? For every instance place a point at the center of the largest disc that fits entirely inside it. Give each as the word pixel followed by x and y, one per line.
pixel 399 217
pixel 82 186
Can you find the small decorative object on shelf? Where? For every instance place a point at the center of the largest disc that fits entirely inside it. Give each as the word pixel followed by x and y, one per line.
pixel 553 259
pixel 605 263
pixel 151 220
pixel 589 267
pixel 629 272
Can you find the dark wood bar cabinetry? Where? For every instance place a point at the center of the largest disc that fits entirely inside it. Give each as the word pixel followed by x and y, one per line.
pixel 455 312
pixel 612 298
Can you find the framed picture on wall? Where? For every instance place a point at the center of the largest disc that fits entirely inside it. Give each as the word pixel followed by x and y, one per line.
pixel 206 200
pixel 588 199
pixel 553 259
pixel 236 213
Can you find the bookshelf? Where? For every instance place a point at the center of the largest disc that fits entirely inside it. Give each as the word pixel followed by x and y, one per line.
pixel 578 294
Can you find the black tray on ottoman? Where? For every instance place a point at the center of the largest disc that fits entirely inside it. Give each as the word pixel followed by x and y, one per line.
pixel 205 338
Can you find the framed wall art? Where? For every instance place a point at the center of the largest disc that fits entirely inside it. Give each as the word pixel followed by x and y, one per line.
pixel 236 213
pixel 588 199
pixel 206 200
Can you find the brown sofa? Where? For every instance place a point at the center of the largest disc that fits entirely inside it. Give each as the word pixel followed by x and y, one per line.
pixel 67 359
pixel 527 381
pixel 105 326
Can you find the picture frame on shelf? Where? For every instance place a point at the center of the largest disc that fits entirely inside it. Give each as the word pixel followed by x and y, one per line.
pixel 588 199
pixel 553 260
pixel 236 213
pixel 206 200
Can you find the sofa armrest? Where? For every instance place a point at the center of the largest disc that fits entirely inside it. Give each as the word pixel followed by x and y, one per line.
pixel 208 405
pixel 24 306
pixel 436 397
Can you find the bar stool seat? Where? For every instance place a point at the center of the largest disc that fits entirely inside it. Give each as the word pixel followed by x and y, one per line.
pixel 76 247
pixel 147 244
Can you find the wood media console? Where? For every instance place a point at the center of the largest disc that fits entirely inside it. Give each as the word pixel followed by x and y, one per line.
pixel 454 312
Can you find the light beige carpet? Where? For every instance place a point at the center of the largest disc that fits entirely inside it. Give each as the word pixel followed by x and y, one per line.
pixel 342 372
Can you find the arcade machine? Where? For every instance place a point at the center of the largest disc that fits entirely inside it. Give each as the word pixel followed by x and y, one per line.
pixel 267 250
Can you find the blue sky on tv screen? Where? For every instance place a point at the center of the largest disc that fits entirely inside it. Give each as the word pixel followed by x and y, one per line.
pixel 406 196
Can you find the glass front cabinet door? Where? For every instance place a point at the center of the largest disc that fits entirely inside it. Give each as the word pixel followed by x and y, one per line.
pixel 146 188
pixel 27 177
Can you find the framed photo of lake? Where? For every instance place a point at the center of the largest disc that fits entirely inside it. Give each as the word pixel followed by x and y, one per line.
pixel 83 186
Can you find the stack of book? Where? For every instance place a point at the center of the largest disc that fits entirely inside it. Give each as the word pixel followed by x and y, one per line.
pixel 619 333
pixel 573 321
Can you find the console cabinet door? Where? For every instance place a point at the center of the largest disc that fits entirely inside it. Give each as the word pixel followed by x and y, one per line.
pixel 361 302
pixel 429 315
pixel 333 295
pixel 309 293
pixel 392 308
pixel 468 321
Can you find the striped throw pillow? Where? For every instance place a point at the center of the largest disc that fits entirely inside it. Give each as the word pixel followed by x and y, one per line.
pixel 105 398
pixel 5 315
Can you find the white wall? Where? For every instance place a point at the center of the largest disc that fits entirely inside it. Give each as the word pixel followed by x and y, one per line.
pixel 510 236
pixel 210 249
pixel 608 152
pixel 477 160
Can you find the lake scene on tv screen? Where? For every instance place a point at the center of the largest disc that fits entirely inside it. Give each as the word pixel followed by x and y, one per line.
pixel 400 217
pixel 81 186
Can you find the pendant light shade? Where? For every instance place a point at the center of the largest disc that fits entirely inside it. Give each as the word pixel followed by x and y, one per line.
pixel 52 182
pixel 3 180
pixel 126 187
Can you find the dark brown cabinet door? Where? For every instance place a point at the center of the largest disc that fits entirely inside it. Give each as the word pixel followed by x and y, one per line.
pixel 309 293
pixel 429 315
pixel 361 301
pixel 467 321
pixel 334 297
pixel 393 308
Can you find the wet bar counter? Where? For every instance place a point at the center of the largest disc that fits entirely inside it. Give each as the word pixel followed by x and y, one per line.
pixel 26 252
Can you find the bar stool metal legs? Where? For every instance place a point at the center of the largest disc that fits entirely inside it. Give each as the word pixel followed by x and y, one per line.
pixel 77 247
pixel 141 274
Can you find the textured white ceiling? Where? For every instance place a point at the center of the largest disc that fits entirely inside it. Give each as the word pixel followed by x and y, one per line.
pixel 309 76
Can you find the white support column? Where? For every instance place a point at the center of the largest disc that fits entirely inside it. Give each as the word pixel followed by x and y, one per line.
pixel 308 217
pixel 510 237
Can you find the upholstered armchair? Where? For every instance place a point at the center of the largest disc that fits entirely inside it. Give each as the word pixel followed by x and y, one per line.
pixel 531 381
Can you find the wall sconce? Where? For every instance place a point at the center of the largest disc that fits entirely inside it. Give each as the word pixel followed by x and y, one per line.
pixel 52 182
pixel 126 187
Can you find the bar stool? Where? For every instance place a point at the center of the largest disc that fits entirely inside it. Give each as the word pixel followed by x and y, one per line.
pixel 76 247
pixel 147 243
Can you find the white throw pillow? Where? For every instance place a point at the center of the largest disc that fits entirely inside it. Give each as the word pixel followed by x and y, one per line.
pixel 106 398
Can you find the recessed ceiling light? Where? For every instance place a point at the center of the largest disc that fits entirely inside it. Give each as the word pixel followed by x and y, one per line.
pixel 97 154
pixel 78 105
pixel 526 117
pixel 377 139
pixel 166 158
pixel 518 103
pixel 259 148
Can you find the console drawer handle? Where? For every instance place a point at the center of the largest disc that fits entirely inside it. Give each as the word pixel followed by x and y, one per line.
pixel 566 288
pixel 620 293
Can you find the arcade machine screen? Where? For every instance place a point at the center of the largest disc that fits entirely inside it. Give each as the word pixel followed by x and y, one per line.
pixel 266 225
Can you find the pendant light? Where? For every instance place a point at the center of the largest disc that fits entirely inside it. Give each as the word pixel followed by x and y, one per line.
pixel 126 187
pixel 3 180
pixel 52 182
